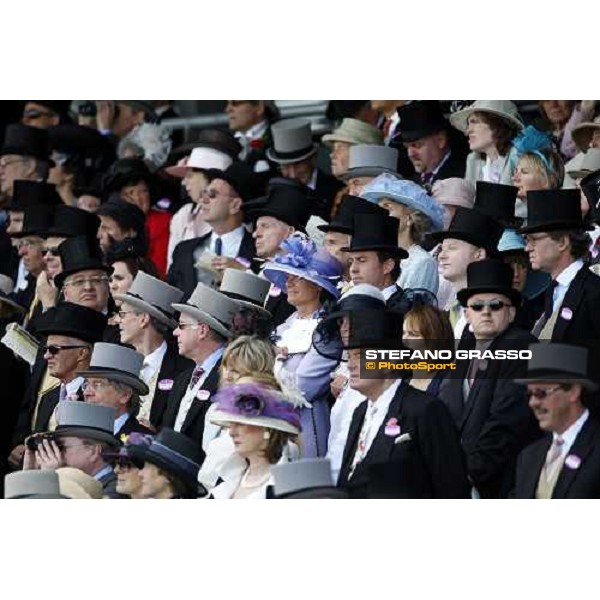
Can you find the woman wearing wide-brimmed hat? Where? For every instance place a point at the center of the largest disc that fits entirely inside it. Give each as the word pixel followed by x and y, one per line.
pixel 418 214
pixel 261 422
pixel 490 126
pixel 309 277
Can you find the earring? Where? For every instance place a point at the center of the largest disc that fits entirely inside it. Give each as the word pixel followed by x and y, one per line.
pixel 267 435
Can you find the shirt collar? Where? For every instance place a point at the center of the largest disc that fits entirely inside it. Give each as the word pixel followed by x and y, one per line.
pixel 155 358
pixel 388 291
pixel 570 434
pixel 106 470
pixel 312 182
pixel 384 401
pixel 567 275
pixel 73 386
pixel 119 422
pixel 233 235
pixel 210 361
pixel 255 132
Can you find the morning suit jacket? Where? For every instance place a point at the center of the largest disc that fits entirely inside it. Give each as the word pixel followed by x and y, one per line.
pixel 326 188
pixel 193 425
pixel 429 465
pixel 172 365
pixel 579 476
pixel 453 167
pixel 182 273
pixel 279 308
pixel 132 425
pixel 495 422
pixel 46 408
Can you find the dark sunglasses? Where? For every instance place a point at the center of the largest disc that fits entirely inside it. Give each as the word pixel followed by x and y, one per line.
pixel 494 305
pixel 541 394
pixel 51 251
pixel 123 462
pixel 54 349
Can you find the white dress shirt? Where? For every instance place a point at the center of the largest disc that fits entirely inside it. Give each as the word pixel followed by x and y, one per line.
pixel 69 390
pixel 245 137
pixel 231 242
pixel 153 362
pixel 186 402
pixel 564 280
pixel 389 291
pixel 571 434
pixel 119 422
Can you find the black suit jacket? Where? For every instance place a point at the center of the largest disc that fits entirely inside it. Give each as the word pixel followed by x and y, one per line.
pixel 172 365
pixel 580 482
pixel 429 465
pixel 495 422
pixel 182 273
pixel 133 425
pixel 47 405
pixel 193 425
pixel 323 196
pixel 279 308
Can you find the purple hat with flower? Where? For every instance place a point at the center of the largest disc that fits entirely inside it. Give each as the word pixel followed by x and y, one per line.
pixel 305 260
pixel 255 404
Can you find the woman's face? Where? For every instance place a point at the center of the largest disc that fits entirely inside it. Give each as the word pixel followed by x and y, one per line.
pixel 529 177
pixel 120 280
pixel 479 134
pixel 129 481
pixel 410 330
pixel 249 440
pixel 397 210
pixel 340 157
pixel 518 265
pixel 154 482
pixel 195 182
pixel 557 112
pixel 229 374
pixel 301 292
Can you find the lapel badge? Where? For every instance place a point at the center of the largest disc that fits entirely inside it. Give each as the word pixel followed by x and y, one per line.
pixel 572 461
pixel 566 314
pixel 203 395
pixel 392 429
pixel 164 385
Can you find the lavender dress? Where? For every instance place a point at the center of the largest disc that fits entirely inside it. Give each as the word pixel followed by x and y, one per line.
pixel 309 373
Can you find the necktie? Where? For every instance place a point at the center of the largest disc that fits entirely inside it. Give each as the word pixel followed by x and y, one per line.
pixel 363 438
pixel 218 246
pixel 549 300
pixel 551 469
pixel 62 395
pixel 454 313
pixel 196 375
pixel 188 398
pixel 387 124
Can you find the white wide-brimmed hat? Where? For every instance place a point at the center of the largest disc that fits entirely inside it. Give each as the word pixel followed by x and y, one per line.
pixel 506 109
pixel 201 158
pixel 590 162
pixel 582 133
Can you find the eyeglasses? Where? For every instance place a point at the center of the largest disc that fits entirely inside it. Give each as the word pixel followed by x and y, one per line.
pixel 51 251
pixel 95 385
pixel 494 305
pixel 122 313
pixel 531 239
pixel 541 394
pixel 187 325
pixel 36 114
pixel 14 161
pixel 28 243
pixel 94 281
pixel 54 349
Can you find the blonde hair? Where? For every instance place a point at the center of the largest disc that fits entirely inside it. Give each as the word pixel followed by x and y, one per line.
pixel 553 176
pixel 249 355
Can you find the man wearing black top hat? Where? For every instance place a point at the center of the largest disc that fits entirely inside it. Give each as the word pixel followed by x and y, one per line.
pixel 565 463
pixel 399 428
pixel 284 210
pixel 471 236
pixel 433 148
pixel 558 244
pixel 489 409
pixel 374 254
pixel 229 244
pixel 45 113
pixel 295 152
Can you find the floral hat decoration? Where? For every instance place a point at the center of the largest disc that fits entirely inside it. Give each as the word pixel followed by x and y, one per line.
pixel 255 404
pixel 533 141
pixel 304 259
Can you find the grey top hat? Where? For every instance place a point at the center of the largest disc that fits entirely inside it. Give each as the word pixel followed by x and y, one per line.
pixel 560 363
pixel 89 421
pixel 32 484
pixel 117 363
pixel 248 289
pixel 299 477
pixel 210 307
pixel 368 160
pixel 292 141
pixel 153 296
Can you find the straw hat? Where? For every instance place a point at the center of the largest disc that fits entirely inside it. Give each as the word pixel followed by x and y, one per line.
pixel 582 134
pixel 353 131
pixel 505 109
pixel 590 162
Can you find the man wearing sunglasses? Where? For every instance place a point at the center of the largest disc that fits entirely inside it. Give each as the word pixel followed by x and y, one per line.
pixel 488 407
pixel 565 463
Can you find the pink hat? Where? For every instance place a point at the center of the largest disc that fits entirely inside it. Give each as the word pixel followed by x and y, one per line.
pixel 201 158
pixel 455 192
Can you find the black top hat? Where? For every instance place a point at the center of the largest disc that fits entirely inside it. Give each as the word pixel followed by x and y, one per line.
pixel 497 201
pixel 70 221
pixel 79 254
pixel 60 107
pixel 174 453
pixel 76 141
pixel 590 186
pixel 37 219
pixel 73 320
pixel 26 141
pixel 553 210
pixel 489 276
pixel 350 205
pixel 560 363
pixel 377 232
pixel 420 119
pixel 375 329
pixel 127 215
pixel 241 178
pixel 286 200
pixel 26 193
pixel 124 172
pixel 473 227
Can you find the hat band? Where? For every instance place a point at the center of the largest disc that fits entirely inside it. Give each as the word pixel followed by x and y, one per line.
pixel 100 368
pixel 360 303
pixel 243 298
pixel 189 467
pixel 162 310
pixel 293 153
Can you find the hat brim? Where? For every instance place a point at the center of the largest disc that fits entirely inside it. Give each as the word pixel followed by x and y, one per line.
pixel 556 226
pixel 459 118
pixel 89 433
pixel 59 279
pixel 148 308
pixel 582 135
pixel 515 297
pixel 6 300
pixel 254 214
pixel 133 382
pixel 367 172
pixel 412 136
pixel 247 304
pixel 177 171
pixel 278 275
pixel 203 317
pixel 333 227
pixel 560 378
pixel 280 160
pixel 465 236
pixel 579 174
pixel 225 419
pixel 395 250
